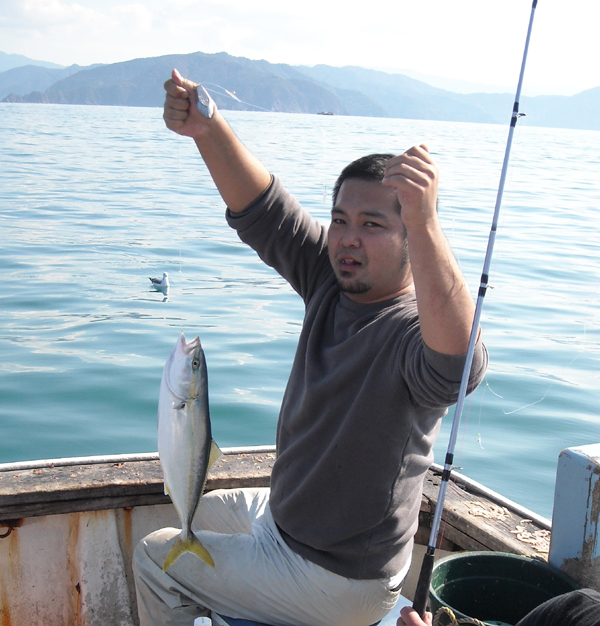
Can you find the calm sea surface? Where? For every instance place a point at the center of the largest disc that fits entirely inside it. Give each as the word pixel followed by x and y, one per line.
pixel 94 200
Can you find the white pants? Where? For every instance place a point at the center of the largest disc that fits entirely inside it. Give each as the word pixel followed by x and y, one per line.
pixel 256 575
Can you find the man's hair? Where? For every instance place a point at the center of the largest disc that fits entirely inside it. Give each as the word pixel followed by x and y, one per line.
pixel 370 167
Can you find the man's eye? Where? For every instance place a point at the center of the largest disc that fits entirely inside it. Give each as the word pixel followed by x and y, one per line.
pixel 372 224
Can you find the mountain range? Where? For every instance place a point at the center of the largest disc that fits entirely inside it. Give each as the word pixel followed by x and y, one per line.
pixel 245 84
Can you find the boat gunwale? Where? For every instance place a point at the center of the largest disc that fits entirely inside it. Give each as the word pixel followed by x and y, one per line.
pixel 463 481
pixel 115 458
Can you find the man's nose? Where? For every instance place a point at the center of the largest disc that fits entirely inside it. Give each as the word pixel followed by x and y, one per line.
pixel 350 238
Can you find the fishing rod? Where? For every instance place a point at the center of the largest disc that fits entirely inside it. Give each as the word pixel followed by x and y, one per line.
pixel 422 590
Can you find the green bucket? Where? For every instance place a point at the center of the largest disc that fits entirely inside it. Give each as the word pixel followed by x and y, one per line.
pixel 494 587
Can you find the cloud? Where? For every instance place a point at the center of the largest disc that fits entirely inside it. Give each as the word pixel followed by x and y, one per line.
pixel 134 16
pixel 46 15
pixel 53 17
pixel 465 39
pixel 77 32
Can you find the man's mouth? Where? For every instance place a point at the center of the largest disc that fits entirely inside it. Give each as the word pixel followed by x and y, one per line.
pixel 348 262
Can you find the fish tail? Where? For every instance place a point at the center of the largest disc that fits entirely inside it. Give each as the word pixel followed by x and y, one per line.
pixel 189 544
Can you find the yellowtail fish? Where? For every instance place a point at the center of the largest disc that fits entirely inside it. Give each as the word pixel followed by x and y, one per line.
pixel 185 445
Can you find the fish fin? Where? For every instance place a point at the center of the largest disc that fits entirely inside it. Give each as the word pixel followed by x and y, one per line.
pixel 215 454
pixel 191 544
pixel 168 493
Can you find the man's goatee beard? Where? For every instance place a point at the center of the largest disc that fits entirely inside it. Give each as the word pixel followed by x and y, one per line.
pixel 353 288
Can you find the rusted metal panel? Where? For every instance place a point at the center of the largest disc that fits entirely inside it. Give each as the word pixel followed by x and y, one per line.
pixel 71 531
pixel 75 569
pixel 575 524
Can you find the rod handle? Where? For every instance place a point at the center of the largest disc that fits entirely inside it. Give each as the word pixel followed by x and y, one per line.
pixel 422 590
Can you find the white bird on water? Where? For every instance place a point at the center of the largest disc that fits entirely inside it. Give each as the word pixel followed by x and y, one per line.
pixel 161 283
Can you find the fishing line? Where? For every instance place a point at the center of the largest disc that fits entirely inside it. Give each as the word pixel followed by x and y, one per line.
pixel 479 439
pixel 552 384
pixel 324 159
pixel 226 93
pixel 232 95
pixel 181 229
pixel 423 584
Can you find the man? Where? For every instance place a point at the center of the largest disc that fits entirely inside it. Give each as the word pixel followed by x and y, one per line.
pixel 379 360
pixel 576 608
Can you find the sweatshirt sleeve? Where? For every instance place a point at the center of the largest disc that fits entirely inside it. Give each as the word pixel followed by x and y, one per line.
pixel 285 237
pixel 433 379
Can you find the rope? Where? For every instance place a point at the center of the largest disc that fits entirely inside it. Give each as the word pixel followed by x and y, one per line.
pixel 445 612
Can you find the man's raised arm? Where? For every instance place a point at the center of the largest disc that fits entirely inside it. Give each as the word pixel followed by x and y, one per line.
pixel 239 176
pixel 446 307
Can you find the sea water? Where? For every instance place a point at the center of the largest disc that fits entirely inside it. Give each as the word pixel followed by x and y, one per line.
pixel 95 200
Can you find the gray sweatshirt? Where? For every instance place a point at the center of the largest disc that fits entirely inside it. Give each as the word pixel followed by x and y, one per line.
pixel 361 410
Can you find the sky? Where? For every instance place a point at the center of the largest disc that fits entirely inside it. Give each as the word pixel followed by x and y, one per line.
pixel 473 41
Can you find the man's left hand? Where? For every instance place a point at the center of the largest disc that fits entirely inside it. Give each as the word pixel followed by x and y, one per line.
pixel 414 175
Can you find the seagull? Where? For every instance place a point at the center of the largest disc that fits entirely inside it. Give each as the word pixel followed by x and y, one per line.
pixel 160 284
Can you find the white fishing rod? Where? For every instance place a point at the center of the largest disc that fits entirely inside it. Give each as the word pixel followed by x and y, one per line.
pixel 422 590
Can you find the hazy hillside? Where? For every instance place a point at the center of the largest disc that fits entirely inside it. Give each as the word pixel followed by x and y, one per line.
pixel 579 111
pixel 398 95
pixel 28 78
pixel 260 85
pixel 139 83
pixel 9 61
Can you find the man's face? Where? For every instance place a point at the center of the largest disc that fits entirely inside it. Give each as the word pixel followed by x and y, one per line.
pixel 367 242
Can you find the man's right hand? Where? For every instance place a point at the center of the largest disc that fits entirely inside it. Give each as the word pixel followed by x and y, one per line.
pixel 240 177
pixel 181 114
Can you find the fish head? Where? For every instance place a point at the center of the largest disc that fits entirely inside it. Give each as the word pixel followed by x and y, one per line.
pixel 185 371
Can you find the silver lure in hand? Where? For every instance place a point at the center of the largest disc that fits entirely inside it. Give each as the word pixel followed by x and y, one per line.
pixel 204 102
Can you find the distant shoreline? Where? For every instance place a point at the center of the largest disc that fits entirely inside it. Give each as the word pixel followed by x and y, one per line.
pixel 346 91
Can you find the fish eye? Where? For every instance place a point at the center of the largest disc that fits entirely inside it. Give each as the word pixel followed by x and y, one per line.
pixel 195 364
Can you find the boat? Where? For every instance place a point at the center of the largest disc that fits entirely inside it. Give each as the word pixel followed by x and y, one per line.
pixel 68 528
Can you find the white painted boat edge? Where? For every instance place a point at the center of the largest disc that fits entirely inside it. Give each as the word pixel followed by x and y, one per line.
pixel 114 458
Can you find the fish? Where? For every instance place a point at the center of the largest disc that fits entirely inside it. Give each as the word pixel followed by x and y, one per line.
pixel 185 445
pixel 161 284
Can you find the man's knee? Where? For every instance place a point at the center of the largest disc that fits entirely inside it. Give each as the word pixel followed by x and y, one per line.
pixel 152 550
